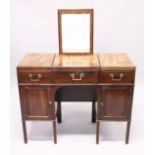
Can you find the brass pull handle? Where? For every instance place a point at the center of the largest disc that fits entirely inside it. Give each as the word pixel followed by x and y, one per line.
pixel 121 75
pixel 81 75
pixel 39 76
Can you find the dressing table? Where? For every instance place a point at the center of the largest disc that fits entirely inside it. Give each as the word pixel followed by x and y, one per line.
pixel 76 74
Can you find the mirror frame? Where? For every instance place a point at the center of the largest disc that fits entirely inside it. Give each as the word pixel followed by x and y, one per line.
pixel 75 11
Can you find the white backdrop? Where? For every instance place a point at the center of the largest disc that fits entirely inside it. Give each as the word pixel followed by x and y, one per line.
pixel 118 27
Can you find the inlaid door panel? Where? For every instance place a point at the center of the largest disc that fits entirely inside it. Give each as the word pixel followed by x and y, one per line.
pixel 36 102
pixel 115 102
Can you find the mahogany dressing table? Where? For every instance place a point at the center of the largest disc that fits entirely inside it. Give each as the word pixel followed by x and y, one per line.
pixel 76 74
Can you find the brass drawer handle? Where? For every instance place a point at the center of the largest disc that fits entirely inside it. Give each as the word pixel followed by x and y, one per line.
pixel 113 78
pixel 81 75
pixel 39 76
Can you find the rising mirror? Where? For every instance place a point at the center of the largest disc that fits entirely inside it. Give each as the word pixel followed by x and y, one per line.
pixel 75 31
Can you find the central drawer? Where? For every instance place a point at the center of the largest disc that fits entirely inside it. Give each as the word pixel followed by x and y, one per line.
pixel 76 77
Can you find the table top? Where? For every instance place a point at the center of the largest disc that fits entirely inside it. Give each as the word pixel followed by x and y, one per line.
pixel 71 61
pixel 76 61
pixel 37 60
pixel 115 61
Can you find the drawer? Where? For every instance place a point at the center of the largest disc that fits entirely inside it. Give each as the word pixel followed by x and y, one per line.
pixel 33 76
pixel 109 76
pixel 76 77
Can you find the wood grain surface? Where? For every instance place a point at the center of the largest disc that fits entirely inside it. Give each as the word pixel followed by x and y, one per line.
pixel 115 61
pixel 37 60
pixel 76 61
pixel 105 60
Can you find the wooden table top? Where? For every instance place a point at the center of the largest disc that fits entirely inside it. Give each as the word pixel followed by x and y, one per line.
pixel 37 60
pixel 115 61
pixel 68 61
pixel 76 61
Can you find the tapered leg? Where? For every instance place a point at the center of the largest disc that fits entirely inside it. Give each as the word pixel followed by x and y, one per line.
pixel 54 132
pixel 93 112
pixel 24 131
pixel 59 116
pixel 127 132
pixel 97 131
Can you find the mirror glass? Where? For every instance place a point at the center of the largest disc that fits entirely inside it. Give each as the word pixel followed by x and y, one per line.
pixel 75 32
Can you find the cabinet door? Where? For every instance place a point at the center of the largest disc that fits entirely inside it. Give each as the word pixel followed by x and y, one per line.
pixel 36 102
pixel 116 102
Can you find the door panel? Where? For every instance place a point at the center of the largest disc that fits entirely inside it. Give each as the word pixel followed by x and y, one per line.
pixel 115 102
pixel 35 100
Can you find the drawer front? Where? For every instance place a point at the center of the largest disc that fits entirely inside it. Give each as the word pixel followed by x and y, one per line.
pixel 35 76
pixel 117 76
pixel 76 77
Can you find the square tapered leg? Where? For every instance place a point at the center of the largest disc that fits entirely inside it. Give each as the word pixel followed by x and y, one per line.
pixel 54 132
pixel 59 116
pixel 97 131
pixel 127 132
pixel 93 112
pixel 24 131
